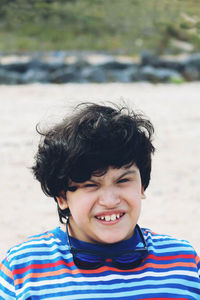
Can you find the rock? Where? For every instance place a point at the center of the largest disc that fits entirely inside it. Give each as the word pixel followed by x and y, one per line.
pixel 10 77
pixel 80 64
pixel 128 75
pixel 191 69
pixel 114 65
pixel 35 75
pixel 147 58
pixel 93 74
pixel 193 60
pixel 149 73
pixel 71 73
pixel 65 75
pixel 47 66
pixel 17 67
pixel 170 64
pixel 191 73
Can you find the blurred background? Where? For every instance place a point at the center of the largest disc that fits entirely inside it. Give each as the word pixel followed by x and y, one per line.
pixel 55 54
pixel 122 27
pixel 99 41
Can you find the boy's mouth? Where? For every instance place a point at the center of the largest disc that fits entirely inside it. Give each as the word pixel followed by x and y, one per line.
pixel 108 218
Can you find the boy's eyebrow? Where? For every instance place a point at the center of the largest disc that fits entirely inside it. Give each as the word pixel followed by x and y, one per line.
pixel 122 175
pixel 126 173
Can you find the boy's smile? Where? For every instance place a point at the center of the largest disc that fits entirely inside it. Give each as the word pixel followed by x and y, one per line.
pixel 105 209
pixel 113 216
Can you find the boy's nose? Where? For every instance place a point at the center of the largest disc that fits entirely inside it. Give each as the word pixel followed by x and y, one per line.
pixel 109 198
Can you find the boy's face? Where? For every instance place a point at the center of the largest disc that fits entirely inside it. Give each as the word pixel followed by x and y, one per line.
pixel 105 209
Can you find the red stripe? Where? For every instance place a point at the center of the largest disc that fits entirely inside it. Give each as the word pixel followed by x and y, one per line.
pixel 61 262
pixel 171 257
pixel 197 259
pixel 6 271
pixel 44 236
pixel 97 271
pixel 159 265
pixel 42 266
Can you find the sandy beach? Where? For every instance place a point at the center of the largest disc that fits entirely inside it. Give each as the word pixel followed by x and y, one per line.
pixel 172 205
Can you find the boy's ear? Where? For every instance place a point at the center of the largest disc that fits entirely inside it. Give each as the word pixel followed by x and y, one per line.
pixel 62 201
pixel 143 196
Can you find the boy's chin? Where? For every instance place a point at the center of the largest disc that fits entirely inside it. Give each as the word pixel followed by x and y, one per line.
pixel 112 239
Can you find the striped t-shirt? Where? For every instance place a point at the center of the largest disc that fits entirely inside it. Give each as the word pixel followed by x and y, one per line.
pixel 42 268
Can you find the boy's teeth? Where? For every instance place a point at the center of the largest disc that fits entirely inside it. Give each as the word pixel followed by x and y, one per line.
pixel 108 218
pixel 113 217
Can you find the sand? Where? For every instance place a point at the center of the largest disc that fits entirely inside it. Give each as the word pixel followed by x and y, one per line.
pixel 172 205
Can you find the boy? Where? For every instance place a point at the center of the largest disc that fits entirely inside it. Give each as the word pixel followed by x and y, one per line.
pixel 96 164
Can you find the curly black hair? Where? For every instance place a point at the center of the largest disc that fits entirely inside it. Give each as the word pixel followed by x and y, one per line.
pixel 87 142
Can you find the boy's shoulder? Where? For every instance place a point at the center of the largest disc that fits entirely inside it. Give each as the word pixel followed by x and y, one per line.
pixel 164 242
pixel 35 244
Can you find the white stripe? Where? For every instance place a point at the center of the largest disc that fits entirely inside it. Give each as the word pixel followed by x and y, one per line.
pixel 169 242
pixel 6 296
pixel 39 258
pixel 48 250
pixel 35 242
pixel 171 250
pixel 116 277
pixel 168 238
pixel 7 285
pixel 118 294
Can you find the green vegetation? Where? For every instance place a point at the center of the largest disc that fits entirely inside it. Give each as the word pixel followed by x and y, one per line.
pixel 123 26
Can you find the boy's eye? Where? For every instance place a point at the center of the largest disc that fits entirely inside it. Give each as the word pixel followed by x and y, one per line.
pixel 90 185
pixel 72 188
pixel 123 180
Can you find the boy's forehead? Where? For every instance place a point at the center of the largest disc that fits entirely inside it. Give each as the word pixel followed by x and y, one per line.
pixel 118 171
pixel 113 172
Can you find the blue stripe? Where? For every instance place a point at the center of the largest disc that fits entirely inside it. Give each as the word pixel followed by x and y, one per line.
pixel 162 292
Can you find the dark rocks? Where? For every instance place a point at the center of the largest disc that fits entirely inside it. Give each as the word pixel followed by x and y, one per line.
pixel 148 59
pixel 193 60
pixel 155 75
pixel 35 75
pixel 191 69
pixel 64 75
pixel 94 74
pixel 114 65
pixel 17 67
pixel 60 69
pixel 129 74
pixel 10 77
